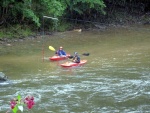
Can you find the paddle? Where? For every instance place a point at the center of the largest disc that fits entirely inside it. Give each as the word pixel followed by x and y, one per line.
pixel 52 48
pixel 85 54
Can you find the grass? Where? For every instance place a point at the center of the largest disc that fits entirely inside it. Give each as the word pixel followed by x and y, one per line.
pixel 16 31
pixel 63 26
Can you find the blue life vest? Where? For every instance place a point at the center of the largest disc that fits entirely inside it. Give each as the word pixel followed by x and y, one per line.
pixel 61 52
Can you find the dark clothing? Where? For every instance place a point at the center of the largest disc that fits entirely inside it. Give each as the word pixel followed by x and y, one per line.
pixel 61 53
pixel 76 59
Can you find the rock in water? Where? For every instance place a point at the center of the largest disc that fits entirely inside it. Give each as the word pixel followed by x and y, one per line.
pixel 3 77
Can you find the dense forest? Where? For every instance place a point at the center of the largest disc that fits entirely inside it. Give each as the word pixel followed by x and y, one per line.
pixel 30 15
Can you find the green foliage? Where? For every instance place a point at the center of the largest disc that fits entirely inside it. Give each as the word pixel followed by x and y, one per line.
pixel 33 10
pixel 5 3
pixel 63 26
pixel 16 31
pixel 29 12
pixel 18 11
pixel 51 8
pixel 80 6
pixel 55 8
pixel 1 34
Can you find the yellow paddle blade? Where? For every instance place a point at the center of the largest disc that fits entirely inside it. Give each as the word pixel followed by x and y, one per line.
pixel 51 48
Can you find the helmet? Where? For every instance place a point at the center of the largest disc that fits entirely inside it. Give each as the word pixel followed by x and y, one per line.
pixel 75 53
pixel 60 47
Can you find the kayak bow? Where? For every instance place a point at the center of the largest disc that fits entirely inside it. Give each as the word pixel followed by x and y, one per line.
pixel 57 58
pixel 71 64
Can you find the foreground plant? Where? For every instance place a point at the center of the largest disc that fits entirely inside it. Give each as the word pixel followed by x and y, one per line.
pixel 18 103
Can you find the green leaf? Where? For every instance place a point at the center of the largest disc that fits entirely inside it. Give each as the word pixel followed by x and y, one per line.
pixel 15 109
pixel 19 97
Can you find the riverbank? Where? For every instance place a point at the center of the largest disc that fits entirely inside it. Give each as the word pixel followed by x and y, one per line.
pixel 99 27
pixel 113 21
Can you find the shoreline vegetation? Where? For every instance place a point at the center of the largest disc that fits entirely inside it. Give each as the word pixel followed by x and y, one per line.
pixel 26 33
pixel 33 35
pixel 113 14
pixel 20 32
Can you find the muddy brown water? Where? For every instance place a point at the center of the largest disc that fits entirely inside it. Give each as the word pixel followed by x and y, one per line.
pixel 116 78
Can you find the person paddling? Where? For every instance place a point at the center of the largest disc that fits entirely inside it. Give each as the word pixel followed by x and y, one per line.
pixel 60 52
pixel 76 58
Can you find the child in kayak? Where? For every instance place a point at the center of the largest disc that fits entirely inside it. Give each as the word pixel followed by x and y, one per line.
pixel 76 58
pixel 60 52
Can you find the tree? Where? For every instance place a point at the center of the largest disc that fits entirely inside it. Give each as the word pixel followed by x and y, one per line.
pixel 16 11
pixel 83 8
pixel 28 11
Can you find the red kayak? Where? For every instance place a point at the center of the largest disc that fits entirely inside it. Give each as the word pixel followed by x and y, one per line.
pixel 57 58
pixel 71 64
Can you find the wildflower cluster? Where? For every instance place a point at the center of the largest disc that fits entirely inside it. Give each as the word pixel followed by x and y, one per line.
pixel 29 101
pixel 17 104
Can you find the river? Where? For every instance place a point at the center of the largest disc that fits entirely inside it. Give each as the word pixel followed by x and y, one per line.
pixel 116 78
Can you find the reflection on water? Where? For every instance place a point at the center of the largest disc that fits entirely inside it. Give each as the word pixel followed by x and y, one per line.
pixel 115 79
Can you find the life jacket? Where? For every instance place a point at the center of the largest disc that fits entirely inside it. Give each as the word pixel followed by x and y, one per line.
pixel 61 52
pixel 77 59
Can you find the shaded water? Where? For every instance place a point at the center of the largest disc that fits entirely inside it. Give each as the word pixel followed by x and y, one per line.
pixel 116 78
